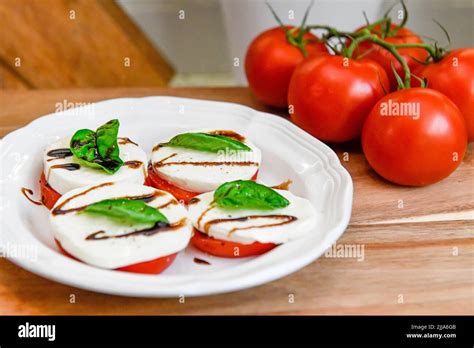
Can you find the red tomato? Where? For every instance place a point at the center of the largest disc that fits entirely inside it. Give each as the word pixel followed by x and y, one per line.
pixel 454 77
pixel 421 147
pixel 270 61
pixel 224 248
pixel 155 181
pixel 331 96
pixel 49 196
pixel 148 267
pixel 386 59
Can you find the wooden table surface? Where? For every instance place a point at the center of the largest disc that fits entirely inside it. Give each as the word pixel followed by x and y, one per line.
pixel 418 242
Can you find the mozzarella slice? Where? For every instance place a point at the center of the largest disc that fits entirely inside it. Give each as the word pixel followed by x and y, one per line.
pixel 248 226
pixel 82 235
pixel 198 171
pixel 66 173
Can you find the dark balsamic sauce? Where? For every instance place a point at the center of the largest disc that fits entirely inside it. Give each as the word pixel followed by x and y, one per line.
pixel 162 163
pixel 67 166
pixel 229 134
pixel 59 211
pixel 157 228
pixel 123 141
pixel 281 220
pixel 201 261
pixel 206 164
pixel 193 201
pixel 156 147
pixel 145 198
pixel 59 153
pixel 29 192
pixel 172 202
pixel 283 186
pixel 133 164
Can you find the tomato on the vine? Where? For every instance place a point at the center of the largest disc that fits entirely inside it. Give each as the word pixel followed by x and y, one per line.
pixel 414 137
pixel 271 60
pixel 401 35
pixel 331 96
pixel 453 76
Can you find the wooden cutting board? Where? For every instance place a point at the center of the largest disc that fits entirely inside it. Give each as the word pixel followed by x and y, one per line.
pixel 98 46
pixel 418 242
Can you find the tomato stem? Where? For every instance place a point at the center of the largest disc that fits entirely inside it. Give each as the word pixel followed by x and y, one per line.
pixel 392 33
pixel 434 51
pixel 294 39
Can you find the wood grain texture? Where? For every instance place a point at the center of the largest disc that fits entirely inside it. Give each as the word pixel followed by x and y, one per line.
pixel 77 43
pixel 418 242
pixel 10 79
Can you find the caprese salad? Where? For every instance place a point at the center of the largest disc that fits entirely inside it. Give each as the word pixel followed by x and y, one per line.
pixel 196 162
pixel 110 211
pixel 244 218
pixel 90 157
pixel 122 226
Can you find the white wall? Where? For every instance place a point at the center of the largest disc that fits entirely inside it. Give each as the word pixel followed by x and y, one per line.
pixel 214 32
pixel 246 18
pixel 195 44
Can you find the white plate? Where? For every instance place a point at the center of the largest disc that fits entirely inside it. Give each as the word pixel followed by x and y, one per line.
pixel 288 153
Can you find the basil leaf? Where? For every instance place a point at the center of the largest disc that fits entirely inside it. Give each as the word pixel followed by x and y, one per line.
pixel 127 211
pixel 98 149
pixel 247 194
pixel 107 139
pixel 206 142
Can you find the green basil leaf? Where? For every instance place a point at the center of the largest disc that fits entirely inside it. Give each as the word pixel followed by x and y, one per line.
pixel 206 142
pixel 98 149
pixel 127 211
pixel 247 194
pixel 107 139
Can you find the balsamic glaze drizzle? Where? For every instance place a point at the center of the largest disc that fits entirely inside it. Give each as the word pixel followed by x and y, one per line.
pixel 27 193
pixel 59 153
pixel 157 228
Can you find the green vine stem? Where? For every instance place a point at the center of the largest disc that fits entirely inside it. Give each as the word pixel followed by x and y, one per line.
pixel 295 36
pixel 388 46
pixel 435 52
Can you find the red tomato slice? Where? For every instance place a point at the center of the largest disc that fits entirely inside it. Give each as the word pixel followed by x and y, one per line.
pixel 148 267
pixel 49 196
pixel 155 181
pixel 155 266
pixel 224 248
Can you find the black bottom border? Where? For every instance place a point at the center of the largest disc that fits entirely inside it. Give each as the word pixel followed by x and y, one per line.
pixel 223 330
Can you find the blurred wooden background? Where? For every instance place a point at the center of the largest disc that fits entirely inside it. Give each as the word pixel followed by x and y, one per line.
pixel 75 43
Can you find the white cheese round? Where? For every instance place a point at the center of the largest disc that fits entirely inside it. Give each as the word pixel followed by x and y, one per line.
pixel 199 171
pixel 63 180
pixel 75 230
pixel 270 226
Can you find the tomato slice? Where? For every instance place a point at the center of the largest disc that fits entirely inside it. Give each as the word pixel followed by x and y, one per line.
pixel 155 181
pixel 148 267
pixel 155 266
pixel 49 196
pixel 224 248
